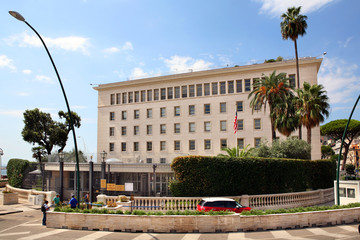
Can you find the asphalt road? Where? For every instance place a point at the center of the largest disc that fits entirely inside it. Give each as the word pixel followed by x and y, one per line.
pixel 27 225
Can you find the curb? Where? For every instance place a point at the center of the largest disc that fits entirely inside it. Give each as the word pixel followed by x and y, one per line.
pixel 17 211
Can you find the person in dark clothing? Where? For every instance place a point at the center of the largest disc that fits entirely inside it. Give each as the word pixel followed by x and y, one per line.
pixel 44 208
pixel 73 202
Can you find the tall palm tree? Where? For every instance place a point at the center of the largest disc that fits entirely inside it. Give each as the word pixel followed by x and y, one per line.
pixel 269 90
pixel 312 106
pixel 294 24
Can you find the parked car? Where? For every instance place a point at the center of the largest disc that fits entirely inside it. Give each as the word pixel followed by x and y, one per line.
pixel 221 204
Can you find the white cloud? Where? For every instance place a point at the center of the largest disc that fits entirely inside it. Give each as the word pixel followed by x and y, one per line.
pixel 111 50
pixel 12 113
pixel 78 107
pixel 27 71
pixel 178 64
pixel 44 79
pixel 23 94
pixel 126 47
pixel 7 62
pixel 339 79
pixel 345 43
pixel 138 73
pixel 276 7
pixel 70 43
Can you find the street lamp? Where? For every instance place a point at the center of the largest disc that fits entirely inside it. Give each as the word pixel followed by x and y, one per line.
pixel 61 171
pixel 154 178
pixel 1 153
pixel 103 167
pixel 22 19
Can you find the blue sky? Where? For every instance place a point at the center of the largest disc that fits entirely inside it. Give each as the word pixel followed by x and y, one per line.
pixel 97 42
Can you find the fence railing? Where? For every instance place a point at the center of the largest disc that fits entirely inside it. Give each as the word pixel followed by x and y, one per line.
pixel 269 201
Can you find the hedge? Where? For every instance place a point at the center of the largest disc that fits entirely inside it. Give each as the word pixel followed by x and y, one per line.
pixel 214 176
pixel 16 170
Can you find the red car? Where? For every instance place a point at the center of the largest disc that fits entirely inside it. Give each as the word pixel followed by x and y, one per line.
pixel 221 204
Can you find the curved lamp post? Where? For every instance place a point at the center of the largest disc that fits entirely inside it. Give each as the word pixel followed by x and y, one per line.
pixel 22 19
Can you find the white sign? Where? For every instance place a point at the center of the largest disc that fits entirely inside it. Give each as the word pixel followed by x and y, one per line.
pixel 129 187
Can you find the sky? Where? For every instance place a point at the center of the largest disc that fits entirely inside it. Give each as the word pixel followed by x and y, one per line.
pixel 97 42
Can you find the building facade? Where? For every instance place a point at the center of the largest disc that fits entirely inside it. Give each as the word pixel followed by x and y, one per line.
pixel 154 120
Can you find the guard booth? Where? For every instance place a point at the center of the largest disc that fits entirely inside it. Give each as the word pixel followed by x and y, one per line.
pixel 349 192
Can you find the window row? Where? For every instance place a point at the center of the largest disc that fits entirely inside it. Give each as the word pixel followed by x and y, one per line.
pixel 207 145
pixel 191 127
pixel 177 111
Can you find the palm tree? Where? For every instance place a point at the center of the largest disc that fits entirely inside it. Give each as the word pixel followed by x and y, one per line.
pixel 270 90
pixel 235 152
pixel 312 106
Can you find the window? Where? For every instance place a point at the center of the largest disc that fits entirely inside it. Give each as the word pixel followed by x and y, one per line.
pixel 176 145
pixel 240 143
pixel 136 114
pixel 230 86
pixel 206 108
pixel 170 93
pixel 240 124
pixel 156 94
pixel 162 145
pixel 112 99
pixel 257 142
pixel 257 106
pixel 207 144
pixel 163 112
pixel 149 113
pixel 222 87
pixel 223 143
pixel 192 145
pixel 162 128
pixel 184 91
pixel 239 106
pixel 292 80
pixel 238 86
pixel 162 160
pixel 148 160
pixel 123 131
pixel 131 97
pixel 223 107
pixel 123 146
pixel 223 125
pixel 112 116
pixel 177 92
pixel 136 130
pixel 123 115
pixel 177 128
pixel 257 123
pixel 192 127
pixel 191 109
pixel 206 89
pixel 191 90
pixel 148 129
pixel 207 127
pixel 199 90
pixel 149 95
pixel 143 96
pixel 214 86
pixel 118 98
pixel 137 96
pixel 136 146
pixel 163 93
pixel 124 98
pixel 247 85
pixel 148 146
pixel 111 131
pixel 177 111
pixel 111 147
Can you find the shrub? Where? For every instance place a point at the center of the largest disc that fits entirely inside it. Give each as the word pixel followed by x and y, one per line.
pixel 350 169
pixel 17 169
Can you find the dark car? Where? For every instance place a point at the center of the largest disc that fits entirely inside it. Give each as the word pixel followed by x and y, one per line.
pixel 221 204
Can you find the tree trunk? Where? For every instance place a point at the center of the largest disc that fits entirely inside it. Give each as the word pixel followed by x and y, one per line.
pixel 297 77
pixel 346 147
pixel 273 133
pixel 308 135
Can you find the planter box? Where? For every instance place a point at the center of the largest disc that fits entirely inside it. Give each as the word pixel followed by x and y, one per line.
pixel 9 198
pixel 3 184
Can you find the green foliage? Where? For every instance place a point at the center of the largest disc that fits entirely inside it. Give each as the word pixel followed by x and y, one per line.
pixel 17 169
pixel 350 169
pixel 236 152
pixel 290 148
pixel 326 152
pixel 214 176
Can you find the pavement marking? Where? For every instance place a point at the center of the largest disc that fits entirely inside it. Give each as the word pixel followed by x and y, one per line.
pixel 285 235
pixel 145 236
pixel 45 234
pixel 31 224
pixel 191 236
pixel 353 228
pixel 236 236
pixel 95 235
pixel 17 226
pixel 12 234
pixel 319 231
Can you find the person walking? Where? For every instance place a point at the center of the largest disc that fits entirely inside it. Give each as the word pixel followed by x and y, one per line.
pixel 44 208
pixel 73 202
pixel 87 200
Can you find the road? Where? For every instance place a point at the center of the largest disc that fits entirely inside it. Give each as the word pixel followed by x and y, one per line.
pixel 27 225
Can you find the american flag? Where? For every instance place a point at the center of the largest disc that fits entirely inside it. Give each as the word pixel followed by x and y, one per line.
pixel 235 123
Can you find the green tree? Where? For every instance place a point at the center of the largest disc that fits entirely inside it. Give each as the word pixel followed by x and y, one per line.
pixel 236 152
pixel 312 106
pixel 326 152
pixel 42 130
pixel 270 90
pixel 76 121
pixel 335 130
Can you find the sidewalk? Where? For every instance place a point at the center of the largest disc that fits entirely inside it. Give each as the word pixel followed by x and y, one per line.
pixel 22 206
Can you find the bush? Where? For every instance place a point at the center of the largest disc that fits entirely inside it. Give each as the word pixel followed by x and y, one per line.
pixel 17 169
pixel 350 169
